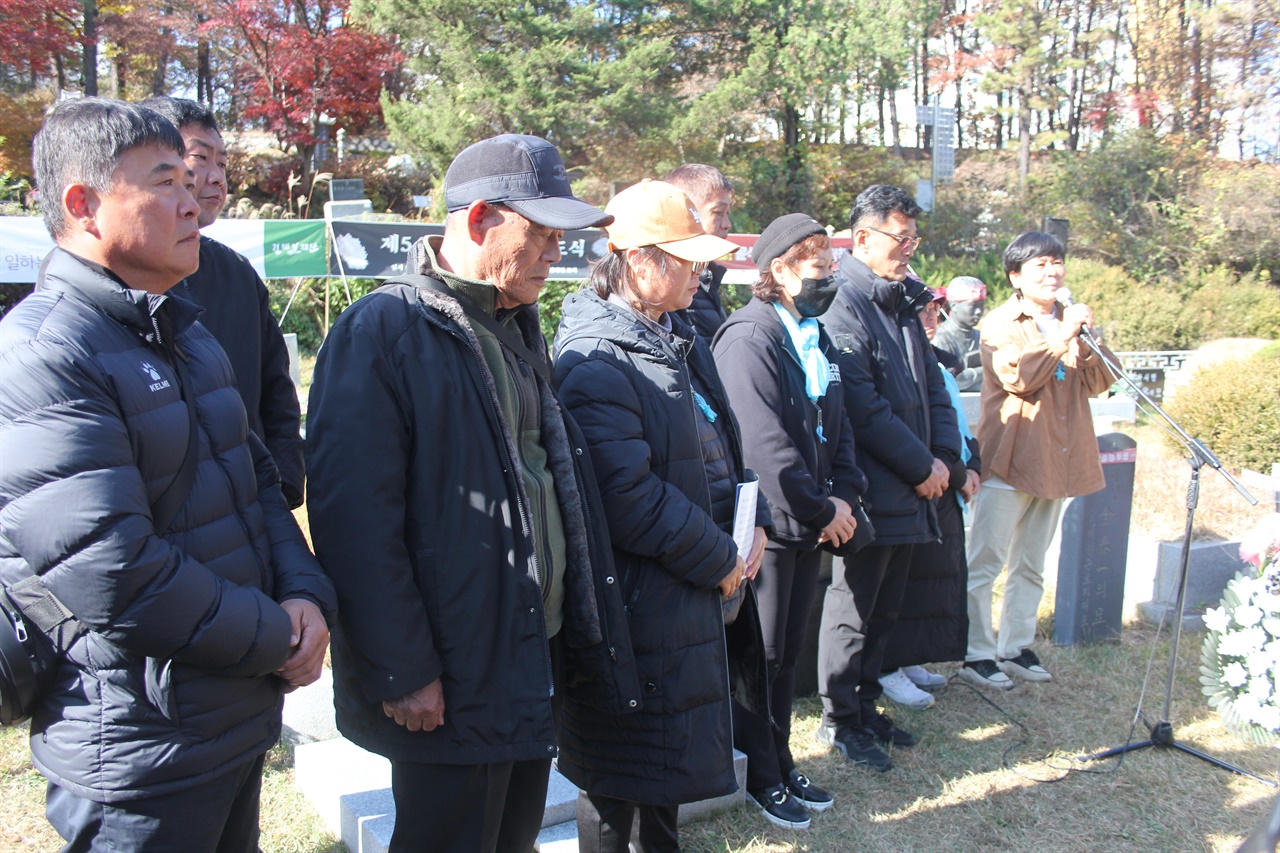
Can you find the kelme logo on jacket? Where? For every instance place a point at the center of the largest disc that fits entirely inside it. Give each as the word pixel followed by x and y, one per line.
pixel 159 383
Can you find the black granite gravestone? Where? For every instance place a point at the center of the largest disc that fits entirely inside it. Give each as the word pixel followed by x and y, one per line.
pixel 1095 546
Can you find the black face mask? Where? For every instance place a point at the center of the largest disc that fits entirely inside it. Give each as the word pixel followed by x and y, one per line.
pixel 816 296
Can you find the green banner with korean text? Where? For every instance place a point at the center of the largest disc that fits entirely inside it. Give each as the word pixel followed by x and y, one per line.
pixel 293 248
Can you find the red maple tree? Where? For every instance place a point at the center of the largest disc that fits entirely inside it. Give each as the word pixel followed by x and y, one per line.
pixel 296 61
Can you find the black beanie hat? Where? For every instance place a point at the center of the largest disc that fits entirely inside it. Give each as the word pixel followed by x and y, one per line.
pixel 783 233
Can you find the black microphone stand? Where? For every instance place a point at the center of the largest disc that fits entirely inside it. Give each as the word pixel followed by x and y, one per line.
pixel 1162 731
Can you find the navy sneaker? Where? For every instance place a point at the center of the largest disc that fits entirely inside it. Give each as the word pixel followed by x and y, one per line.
pixel 857 744
pixel 780 807
pixel 883 729
pixel 808 794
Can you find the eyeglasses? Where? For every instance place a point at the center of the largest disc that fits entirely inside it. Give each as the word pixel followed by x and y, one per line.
pixel 905 241
pixel 699 266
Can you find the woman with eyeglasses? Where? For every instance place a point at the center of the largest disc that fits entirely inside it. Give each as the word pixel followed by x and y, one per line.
pixel 666 453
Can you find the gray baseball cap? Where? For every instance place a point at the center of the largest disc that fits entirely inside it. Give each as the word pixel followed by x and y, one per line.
pixel 526 174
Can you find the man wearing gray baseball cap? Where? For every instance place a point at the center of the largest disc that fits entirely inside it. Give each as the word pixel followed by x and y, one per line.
pixel 450 504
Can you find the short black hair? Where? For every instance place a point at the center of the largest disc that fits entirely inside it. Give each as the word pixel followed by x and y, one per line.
pixel 82 141
pixel 876 202
pixel 183 111
pixel 1032 244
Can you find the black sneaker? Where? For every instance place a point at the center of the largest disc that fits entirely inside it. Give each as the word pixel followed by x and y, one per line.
pixel 1025 666
pixel 857 744
pixel 985 674
pixel 808 794
pixel 883 729
pixel 780 807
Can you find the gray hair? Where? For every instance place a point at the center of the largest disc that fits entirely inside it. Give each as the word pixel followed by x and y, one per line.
pixel 699 182
pixel 82 141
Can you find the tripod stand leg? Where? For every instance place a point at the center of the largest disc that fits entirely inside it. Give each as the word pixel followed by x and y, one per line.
pixel 1117 750
pixel 1218 762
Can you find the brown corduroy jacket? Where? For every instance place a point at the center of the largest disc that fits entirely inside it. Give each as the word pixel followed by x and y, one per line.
pixel 1036 430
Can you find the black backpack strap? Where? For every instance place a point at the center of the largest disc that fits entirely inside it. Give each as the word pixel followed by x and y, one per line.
pixel 504 335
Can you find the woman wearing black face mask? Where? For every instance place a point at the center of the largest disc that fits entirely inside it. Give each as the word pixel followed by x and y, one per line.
pixel 779 369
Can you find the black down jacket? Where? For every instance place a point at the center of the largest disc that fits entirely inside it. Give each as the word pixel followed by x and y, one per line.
pixel 416 506
pixel 897 402
pixel 629 388
pixel 172 683
pixel 766 385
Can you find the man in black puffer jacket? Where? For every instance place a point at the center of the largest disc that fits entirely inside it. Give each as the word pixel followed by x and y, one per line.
pixel 906 437
pixel 169 690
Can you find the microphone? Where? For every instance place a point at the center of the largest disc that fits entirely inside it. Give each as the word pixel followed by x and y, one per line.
pixel 1065 298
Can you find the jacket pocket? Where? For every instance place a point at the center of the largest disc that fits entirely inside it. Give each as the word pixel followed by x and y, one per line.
pixel 158 683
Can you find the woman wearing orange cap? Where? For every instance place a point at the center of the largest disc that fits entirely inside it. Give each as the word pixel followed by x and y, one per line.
pixel 666 452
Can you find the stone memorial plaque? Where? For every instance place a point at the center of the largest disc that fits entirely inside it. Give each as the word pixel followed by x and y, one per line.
pixel 1095 543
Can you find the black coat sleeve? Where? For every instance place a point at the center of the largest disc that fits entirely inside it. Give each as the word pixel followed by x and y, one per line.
pixel 297 573
pixel 358 441
pixel 879 432
pixel 645 514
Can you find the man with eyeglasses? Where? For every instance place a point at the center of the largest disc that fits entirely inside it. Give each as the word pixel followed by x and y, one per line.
pixel 906 435
pixel 453 505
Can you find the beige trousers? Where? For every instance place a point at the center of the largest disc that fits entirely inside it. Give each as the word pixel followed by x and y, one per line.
pixel 1009 528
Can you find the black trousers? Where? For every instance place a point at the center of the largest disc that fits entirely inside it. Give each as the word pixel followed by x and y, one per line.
pixel 474 808
pixel 605 825
pixel 785 589
pixel 858 615
pixel 468 808
pixel 218 816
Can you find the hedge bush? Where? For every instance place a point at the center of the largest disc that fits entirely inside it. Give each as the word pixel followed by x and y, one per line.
pixel 1234 408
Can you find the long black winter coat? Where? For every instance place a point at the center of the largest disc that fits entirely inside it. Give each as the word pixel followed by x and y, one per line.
pixel 418 512
pixel 896 400
pixel 766 386
pixel 172 683
pixel 629 389
pixel 933 624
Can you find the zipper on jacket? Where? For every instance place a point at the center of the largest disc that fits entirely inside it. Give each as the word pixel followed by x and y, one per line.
pixel 512 470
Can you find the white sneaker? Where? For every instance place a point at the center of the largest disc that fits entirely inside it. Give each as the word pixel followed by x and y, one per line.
pixel 900 689
pixel 923 678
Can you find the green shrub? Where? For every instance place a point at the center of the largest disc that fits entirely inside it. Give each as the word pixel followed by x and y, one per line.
pixel 306 315
pixel 550 303
pixel 1223 305
pixel 938 270
pixel 1234 408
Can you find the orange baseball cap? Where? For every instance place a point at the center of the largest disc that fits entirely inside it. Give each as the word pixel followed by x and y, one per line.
pixel 655 213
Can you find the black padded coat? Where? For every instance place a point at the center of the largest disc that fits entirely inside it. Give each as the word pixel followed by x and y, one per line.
pixel 172 683
pixel 629 388
pixel 897 402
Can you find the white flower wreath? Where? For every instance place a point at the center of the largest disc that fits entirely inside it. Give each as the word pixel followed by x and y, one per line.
pixel 1240 661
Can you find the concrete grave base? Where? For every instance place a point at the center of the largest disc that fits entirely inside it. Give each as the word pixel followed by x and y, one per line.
pixel 351 790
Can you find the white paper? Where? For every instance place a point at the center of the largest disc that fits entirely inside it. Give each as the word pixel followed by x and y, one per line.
pixel 744 517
